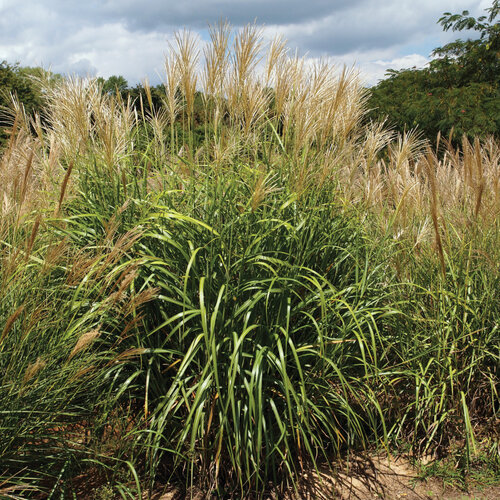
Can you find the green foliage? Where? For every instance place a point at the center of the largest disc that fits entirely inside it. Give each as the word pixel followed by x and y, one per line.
pixel 227 306
pixel 23 83
pixel 459 90
pixel 276 333
pixel 15 80
pixel 454 471
pixel 55 309
pixel 411 98
pixel 269 338
pixel 113 84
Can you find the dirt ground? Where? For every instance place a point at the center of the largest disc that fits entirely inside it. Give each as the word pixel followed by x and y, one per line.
pixel 381 478
pixel 364 479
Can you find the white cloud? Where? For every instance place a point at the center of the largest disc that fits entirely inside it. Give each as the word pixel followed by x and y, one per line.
pixel 129 38
pixel 373 71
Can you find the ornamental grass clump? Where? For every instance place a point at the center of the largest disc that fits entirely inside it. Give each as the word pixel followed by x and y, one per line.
pixel 239 284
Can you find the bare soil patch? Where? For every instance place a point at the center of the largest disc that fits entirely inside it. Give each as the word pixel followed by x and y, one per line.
pixel 362 478
pixel 367 478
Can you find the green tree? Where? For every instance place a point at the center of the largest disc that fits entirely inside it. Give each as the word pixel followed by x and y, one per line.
pixel 458 91
pixel 16 80
pixel 113 84
pixel 19 82
pixel 25 83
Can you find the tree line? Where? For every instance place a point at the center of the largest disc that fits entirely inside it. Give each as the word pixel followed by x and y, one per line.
pixel 457 93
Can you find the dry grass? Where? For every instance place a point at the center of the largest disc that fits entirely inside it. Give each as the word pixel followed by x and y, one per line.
pixel 125 233
pixel 251 89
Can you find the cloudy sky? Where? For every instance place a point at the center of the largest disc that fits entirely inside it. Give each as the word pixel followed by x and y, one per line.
pixel 129 38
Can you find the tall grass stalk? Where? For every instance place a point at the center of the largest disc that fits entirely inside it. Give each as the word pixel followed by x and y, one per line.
pixel 228 299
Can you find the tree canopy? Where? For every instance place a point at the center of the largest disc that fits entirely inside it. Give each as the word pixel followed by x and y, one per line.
pixel 458 91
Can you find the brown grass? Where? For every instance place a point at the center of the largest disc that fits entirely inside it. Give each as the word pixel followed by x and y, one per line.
pixel 250 90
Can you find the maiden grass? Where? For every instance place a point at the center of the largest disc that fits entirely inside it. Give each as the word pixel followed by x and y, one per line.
pixel 228 310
